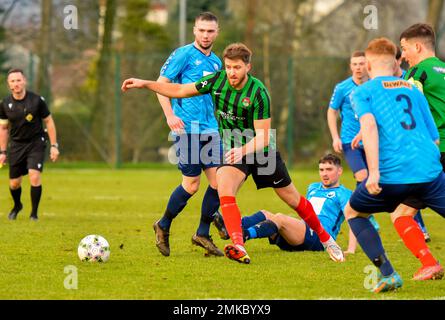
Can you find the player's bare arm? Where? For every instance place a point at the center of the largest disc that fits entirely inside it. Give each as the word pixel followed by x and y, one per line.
pixel 175 123
pixel 171 90
pixel 52 134
pixel 332 124
pixel 371 144
pixel 258 143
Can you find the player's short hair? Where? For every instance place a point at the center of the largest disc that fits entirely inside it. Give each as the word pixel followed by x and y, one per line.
pixel 206 16
pixel 237 51
pixel 15 70
pixel 331 159
pixel 422 31
pixel 357 53
pixel 381 46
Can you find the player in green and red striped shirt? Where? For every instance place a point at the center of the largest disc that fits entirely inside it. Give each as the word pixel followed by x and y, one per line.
pixel 242 105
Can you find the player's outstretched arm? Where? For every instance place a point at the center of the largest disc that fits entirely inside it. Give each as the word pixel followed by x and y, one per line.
pixel 171 90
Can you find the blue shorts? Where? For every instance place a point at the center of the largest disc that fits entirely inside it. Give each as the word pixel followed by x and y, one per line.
pixel 198 152
pixel 416 195
pixel 355 158
pixel 311 242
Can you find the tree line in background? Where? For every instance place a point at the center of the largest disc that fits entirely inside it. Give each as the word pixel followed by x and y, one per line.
pixel 299 54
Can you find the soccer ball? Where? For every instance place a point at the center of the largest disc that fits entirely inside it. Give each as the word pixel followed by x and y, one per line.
pixel 94 248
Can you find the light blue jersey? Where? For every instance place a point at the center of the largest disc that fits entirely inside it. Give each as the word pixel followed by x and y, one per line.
pixel 329 204
pixel 187 64
pixel 407 152
pixel 341 102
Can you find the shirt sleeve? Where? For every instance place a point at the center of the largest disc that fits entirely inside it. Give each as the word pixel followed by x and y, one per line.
pixel 361 102
pixel 174 65
pixel 43 108
pixel 205 84
pixel 336 99
pixel 261 105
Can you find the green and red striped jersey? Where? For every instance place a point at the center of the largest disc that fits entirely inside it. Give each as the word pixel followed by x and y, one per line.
pixel 236 110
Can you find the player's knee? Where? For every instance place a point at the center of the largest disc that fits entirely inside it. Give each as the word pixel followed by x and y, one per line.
pixel 403 211
pixel 14 184
pixel 34 179
pixel 191 186
pixel 278 219
pixel 267 214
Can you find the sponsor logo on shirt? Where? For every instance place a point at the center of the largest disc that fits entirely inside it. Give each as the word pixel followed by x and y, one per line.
pixel 439 69
pixel 396 84
pixel 331 195
pixel 215 66
pixel 229 116
pixel 29 117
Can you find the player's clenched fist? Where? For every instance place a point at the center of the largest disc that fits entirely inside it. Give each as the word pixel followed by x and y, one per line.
pixel 234 155
pixel 133 83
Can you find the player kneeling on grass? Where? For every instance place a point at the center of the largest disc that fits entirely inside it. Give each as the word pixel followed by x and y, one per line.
pixel 328 198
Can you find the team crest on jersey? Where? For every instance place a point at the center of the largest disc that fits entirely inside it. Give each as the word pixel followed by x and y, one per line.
pixel 198 62
pixel 215 66
pixel 10 105
pixel 246 102
pixel 29 117
pixel 331 195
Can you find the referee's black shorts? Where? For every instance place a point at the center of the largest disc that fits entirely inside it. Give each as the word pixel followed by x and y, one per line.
pixel 268 170
pixel 26 155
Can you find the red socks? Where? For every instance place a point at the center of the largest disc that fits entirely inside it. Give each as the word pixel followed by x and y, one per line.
pixel 307 213
pixel 413 238
pixel 232 219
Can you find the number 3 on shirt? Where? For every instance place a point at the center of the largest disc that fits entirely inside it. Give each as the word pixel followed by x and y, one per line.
pixel 405 125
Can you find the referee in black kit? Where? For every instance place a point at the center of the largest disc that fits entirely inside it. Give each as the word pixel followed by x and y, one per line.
pixel 22 112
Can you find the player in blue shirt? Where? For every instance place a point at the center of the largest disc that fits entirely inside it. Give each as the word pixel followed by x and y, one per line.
pixel 399 137
pixel 195 131
pixel 341 104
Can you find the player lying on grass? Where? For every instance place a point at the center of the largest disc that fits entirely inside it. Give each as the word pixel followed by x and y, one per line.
pixel 328 198
pixel 242 105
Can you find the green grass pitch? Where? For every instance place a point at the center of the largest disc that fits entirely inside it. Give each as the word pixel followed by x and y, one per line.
pixel 121 205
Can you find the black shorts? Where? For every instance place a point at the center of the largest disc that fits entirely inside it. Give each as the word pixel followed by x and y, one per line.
pixel 26 155
pixel 267 170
